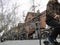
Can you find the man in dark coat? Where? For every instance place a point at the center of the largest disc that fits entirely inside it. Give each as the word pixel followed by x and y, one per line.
pixel 52 18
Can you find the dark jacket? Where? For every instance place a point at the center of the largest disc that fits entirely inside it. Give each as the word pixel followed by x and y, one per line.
pixel 52 9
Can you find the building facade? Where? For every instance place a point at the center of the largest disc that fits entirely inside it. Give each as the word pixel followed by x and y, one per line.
pixel 35 21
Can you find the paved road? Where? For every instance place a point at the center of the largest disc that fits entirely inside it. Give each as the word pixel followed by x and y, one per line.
pixel 23 42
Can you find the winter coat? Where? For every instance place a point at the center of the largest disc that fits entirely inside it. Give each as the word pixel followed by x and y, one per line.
pixel 52 9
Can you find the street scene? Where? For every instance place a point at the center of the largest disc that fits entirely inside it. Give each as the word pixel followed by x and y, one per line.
pixel 29 22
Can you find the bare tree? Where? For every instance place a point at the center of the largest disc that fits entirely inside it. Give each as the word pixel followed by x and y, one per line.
pixel 9 18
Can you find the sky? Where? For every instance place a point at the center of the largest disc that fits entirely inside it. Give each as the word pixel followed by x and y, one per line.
pixel 25 6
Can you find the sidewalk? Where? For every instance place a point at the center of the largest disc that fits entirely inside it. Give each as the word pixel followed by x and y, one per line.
pixel 23 42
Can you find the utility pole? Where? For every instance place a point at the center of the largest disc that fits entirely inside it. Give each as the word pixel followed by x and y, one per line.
pixel 34 15
pixel 36 30
pixel 33 6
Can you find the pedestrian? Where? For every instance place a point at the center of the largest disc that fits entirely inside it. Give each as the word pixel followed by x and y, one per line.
pixel 52 18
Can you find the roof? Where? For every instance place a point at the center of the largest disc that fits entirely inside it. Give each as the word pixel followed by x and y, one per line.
pixel 32 14
pixel 35 15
